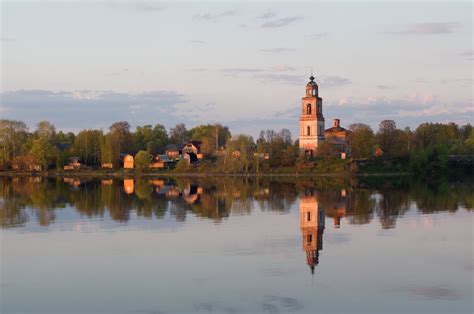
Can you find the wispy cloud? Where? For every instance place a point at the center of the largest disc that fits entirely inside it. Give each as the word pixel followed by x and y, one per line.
pixel 429 28
pixel 277 50
pixel 333 81
pixel 197 41
pixel 317 35
pixel 214 17
pixel 149 6
pixel 7 39
pixel 384 87
pixel 238 71
pixel 281 22
pixel 267 15
pixel 469 54
pixel 69 109
pixel 280 78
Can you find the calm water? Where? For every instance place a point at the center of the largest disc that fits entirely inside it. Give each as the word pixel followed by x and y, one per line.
pixel 235 245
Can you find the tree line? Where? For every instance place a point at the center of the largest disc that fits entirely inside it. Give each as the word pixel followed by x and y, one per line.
pixel 424 150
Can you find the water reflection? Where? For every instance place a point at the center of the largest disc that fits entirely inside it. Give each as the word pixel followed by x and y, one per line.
pixel 25 199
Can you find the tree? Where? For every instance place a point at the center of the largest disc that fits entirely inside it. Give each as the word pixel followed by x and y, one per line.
pixel 208 134
pixel 393 142
pixel 179 134
pixel 44 151
pixel 13 134
pixel 87 146
pixel 241 161
pixel 361 140
pixel 327 150
pixel 152 139
pixel 116 142
pixel 45 129
pixel 142 160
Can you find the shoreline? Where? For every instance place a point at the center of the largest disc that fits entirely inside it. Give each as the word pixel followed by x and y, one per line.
pixel 136 174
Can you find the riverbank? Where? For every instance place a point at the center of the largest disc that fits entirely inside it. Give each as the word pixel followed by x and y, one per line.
pixel 170 173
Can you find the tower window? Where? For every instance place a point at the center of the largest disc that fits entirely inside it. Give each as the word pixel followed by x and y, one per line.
pixel 308 216
pixel 308 130
pixel 314 91
pixel 308 109
pixel 309 238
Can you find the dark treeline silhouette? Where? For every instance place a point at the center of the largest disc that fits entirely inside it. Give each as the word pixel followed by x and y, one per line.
pixel 25 199
pixel 427 150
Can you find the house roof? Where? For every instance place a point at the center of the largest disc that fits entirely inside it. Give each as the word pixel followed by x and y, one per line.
pixel 196 144
pixel 336 130
pixel 172 147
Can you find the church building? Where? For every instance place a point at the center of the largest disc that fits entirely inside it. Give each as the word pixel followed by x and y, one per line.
pixel 311 120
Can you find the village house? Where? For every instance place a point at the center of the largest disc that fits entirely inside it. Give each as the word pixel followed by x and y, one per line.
pixel 28 162
pixel 128 162
pixel 193 151
pixel 161 161
pixel 172 151
pixel 73 163
pixel 339 137
pixel 107 165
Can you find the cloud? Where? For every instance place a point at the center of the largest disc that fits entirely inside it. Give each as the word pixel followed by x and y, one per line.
pixel 469 54
pixel 214 17
pixel 333 81
pixel 197 41
pixel 74 110
pixel 283 68
pixel 317 35
pixel 149 6
pixel 292 79
pixel 277 50
pixel 267 15
pixel 281 22
pixel 239 71
pixel 429 28
pixel 384 87
pixel 7 39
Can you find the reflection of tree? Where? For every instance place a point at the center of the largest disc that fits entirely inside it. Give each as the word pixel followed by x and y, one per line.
pixel 217 198
pixel 391 205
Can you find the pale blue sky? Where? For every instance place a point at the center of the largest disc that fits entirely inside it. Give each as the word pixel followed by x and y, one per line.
pixel 88 64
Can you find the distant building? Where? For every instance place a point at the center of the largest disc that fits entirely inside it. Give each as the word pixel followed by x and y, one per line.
pixel 73 163
pixel 172 151
pixel 312 228
pixel 339 137
pixel 311 120
pixel 128 162
pixel 160 162
pixel 193 150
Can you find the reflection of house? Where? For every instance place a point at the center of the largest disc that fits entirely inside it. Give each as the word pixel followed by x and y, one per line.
pixel 160 162
pixel 128 162
pixel 193 150
pixel 107 165
pixel 172 151
pixel 72 181
pixel 339 208
pixel 106 181
pixel 312 227
pixel 128 186
pixel 73 163
pixel 191 194
pixel 339 137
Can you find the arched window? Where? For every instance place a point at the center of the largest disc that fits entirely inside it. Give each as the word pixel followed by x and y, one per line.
pixel 314 91
pixel 308 130
pixel 308 109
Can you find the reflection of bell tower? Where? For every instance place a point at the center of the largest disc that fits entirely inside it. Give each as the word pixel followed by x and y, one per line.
pixel 312 227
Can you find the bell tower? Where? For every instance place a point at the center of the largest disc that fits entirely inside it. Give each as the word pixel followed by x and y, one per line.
pixel 311 119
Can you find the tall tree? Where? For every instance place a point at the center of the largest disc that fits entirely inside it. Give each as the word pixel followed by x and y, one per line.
pixel 13 135
pixel 362 140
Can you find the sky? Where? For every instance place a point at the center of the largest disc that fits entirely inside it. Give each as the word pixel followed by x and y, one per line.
pixel 244 64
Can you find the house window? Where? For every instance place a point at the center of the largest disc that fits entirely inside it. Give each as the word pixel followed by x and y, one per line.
pixel 308 109
pixel 308 216
pixel 308 130
pixel 309 238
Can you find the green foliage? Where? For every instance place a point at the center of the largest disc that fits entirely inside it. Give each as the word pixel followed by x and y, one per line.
pixel 142 160
pixel 87 146
pixel 362 141
pixel 208 135
pixel 44 151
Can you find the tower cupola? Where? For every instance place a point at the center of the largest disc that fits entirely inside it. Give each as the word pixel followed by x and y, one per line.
pixel 312 87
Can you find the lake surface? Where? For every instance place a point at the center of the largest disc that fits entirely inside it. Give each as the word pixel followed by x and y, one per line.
pixel 236 245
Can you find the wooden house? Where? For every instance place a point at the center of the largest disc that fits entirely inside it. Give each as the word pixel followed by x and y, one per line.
pixel 128 162
pixel 160 162
pixel 172 151
pixel 73 163
pixel 193 149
